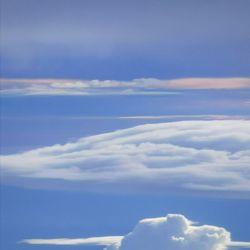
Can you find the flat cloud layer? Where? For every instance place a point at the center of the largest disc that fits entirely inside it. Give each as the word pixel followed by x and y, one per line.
pixel 93 241
pixel 188 156
pixel 173 232
pixel 97 87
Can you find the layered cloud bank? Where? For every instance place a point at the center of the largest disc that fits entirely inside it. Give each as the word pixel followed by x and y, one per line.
pixel 187 156
pixel 98 87
pixel 173 232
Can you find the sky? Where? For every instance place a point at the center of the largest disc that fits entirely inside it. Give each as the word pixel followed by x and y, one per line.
pixel 123 121
pixel 123 40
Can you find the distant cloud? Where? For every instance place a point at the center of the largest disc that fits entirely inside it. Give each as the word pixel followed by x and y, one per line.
pixel 180 117
pixel 173 232
pixel 163 118
pixel 94 241
pixel 112 87
pixel 192 156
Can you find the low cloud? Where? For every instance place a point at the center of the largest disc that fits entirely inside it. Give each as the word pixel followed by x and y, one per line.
pixel 173 232
pixel 93 241
pixel 142 86
pixel 189 156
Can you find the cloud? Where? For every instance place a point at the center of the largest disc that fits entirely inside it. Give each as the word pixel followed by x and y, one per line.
pixel 93 241
pixel 164 118
pixel 210 83
pixel 112 87
pixel 173 232
pixel 170 31
pixel 239 244
pixel 188 156
pixel 177 117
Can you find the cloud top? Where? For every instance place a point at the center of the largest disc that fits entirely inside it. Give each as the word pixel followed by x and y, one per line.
pixel 98 87
pixel 173 232
pixel 188 156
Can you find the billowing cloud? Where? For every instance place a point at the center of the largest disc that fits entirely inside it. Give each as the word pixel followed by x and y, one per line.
pixel 173 232
pixel 98 87
pixel 190 156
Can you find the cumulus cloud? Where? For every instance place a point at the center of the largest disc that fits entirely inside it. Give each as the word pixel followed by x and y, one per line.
pixel 97 87
pixel 173 232
pixel 191 156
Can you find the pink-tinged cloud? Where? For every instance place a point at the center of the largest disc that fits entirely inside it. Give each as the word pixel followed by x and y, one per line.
pixel 101 87
pixel 210 83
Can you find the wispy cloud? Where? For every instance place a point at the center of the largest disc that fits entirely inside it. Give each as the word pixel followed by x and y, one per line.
pixel 93 241
pixel 239 244
pixel 112 87
pixel 190 156
pixel 137 117
pixel 184 117
pixel 173 232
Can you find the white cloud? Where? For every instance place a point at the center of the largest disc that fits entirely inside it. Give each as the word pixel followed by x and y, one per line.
pixel 239 244
pixel 173 232
pixel 177 117
pixel 93 241
pixel 191 156
pixel 142 86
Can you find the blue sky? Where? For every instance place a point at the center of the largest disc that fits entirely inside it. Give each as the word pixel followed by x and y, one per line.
pixel 76 69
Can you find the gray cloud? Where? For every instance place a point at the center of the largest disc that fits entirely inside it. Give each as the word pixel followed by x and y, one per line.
pixel 91 25
pixel 168 31
pixel 191 156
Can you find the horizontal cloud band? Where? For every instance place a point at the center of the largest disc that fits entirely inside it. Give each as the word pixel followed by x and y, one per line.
pixel 97 87
pixel 190 156
pixel 94 241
